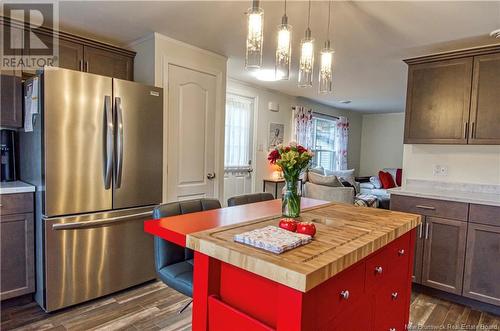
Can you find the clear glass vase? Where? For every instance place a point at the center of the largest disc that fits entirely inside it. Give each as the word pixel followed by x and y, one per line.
pixel 290 204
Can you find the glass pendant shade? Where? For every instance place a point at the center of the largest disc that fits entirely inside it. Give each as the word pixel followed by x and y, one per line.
pixel 255 16
pixel 306 63
pixel 326 71
pixel 283 51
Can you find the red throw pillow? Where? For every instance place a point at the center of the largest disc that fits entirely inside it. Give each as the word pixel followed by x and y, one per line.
pixel 386 180
pixel 399 176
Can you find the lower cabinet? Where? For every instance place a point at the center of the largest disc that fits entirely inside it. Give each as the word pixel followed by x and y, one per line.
pixel 456 249
pixel 444 252
pixel 482 268
pixel 17 254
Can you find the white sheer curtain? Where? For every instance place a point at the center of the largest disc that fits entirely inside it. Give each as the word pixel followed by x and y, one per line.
pixel 303 126
pixel 237 132
pixel 341 140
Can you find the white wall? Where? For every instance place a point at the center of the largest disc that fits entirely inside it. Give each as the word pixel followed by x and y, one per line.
pixel 466 163
pixel 262 169
pixel 381 142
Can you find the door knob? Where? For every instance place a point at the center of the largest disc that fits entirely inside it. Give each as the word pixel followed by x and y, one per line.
pixel 211 175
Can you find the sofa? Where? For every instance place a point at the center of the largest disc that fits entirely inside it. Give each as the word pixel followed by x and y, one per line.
pixel 374 185
pixel 326 185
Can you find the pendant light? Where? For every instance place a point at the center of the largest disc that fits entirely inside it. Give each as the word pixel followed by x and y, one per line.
pixel 255 17
pixel 306 63
pixel 325 71
pixel 283 49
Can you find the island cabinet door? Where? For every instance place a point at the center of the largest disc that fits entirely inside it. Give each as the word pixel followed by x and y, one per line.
pixel 482 270
pixel 390 306
pixel 444 252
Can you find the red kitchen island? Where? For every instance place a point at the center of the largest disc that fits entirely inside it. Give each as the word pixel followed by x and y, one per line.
pixel 355 275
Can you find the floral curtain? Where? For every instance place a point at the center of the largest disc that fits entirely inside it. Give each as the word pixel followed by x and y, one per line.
pixel 341 137
pixel 303 126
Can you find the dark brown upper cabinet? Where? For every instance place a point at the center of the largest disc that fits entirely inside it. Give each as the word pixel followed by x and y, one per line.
pixel 102 62
pixel 438 100
pixel 11 100
pixel 485 102
pixel 452 98
pixel 82 54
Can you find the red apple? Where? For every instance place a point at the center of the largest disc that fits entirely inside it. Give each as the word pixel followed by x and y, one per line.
pixel 288 224
pixel 306 228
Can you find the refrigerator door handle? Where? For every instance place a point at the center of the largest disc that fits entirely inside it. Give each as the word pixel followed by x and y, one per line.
pixel 80 225
pixel 108 142
pixel 119 142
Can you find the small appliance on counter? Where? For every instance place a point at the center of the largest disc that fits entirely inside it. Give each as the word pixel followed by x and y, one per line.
pixel 8 155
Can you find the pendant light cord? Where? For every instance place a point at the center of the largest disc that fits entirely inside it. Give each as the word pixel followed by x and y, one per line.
pixel 285 7
pixel 329 12
pixel 309 15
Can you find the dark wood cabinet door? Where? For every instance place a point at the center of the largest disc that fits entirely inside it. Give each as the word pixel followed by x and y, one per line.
pixel 485 102
pixel 70 53
pixel 438 102
pixel 11 100
pixel 419 253
pixel 106 63
pixel 17 253
pixel 482 269
pixel 444 254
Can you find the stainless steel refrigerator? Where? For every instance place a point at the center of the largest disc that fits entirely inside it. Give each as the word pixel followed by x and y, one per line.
pixel 95 156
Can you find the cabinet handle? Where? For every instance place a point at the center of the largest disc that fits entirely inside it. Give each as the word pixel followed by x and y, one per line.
pixel 420 230
pixel 473 131
pixel 80 65
pixel 426 207
pixel 344 294
pixel 86 66
pixel 466 130
pixel 392 329
pixel 401 252
pixel 426 231
pixel 394 295
pixel 379 270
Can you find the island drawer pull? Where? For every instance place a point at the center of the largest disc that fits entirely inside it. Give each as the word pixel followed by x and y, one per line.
pixel 344 294
pixel 426 207
pixel 401 252
pixel 394 295
pixel 392 329
pixel 379 270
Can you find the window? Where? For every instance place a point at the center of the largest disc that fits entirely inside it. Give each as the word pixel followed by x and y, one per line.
pixel 324 141
pixel 238 132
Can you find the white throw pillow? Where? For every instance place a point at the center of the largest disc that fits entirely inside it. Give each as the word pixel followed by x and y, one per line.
pixel 318 179
pixel 376 182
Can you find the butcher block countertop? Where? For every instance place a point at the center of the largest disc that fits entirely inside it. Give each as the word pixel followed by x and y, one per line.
pixel 345 235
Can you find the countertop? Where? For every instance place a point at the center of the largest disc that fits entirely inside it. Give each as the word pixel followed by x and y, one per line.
pixel 345 235
pixel 176 228
pixel 482 198
pixel 15 187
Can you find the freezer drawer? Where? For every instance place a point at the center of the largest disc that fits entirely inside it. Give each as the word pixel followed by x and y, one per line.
pixel 93 255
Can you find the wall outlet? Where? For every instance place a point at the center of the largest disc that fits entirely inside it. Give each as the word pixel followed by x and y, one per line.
pixel 440 170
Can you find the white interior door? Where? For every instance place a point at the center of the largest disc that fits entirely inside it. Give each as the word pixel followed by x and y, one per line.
pixel 191 134
pixel 238 145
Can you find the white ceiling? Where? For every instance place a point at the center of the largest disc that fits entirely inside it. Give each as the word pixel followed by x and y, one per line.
pixel 370 38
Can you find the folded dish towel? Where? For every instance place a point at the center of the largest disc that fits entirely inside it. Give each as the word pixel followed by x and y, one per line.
pixel 272 239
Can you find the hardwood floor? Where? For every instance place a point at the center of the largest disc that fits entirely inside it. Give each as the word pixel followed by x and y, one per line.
pixel 154 307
